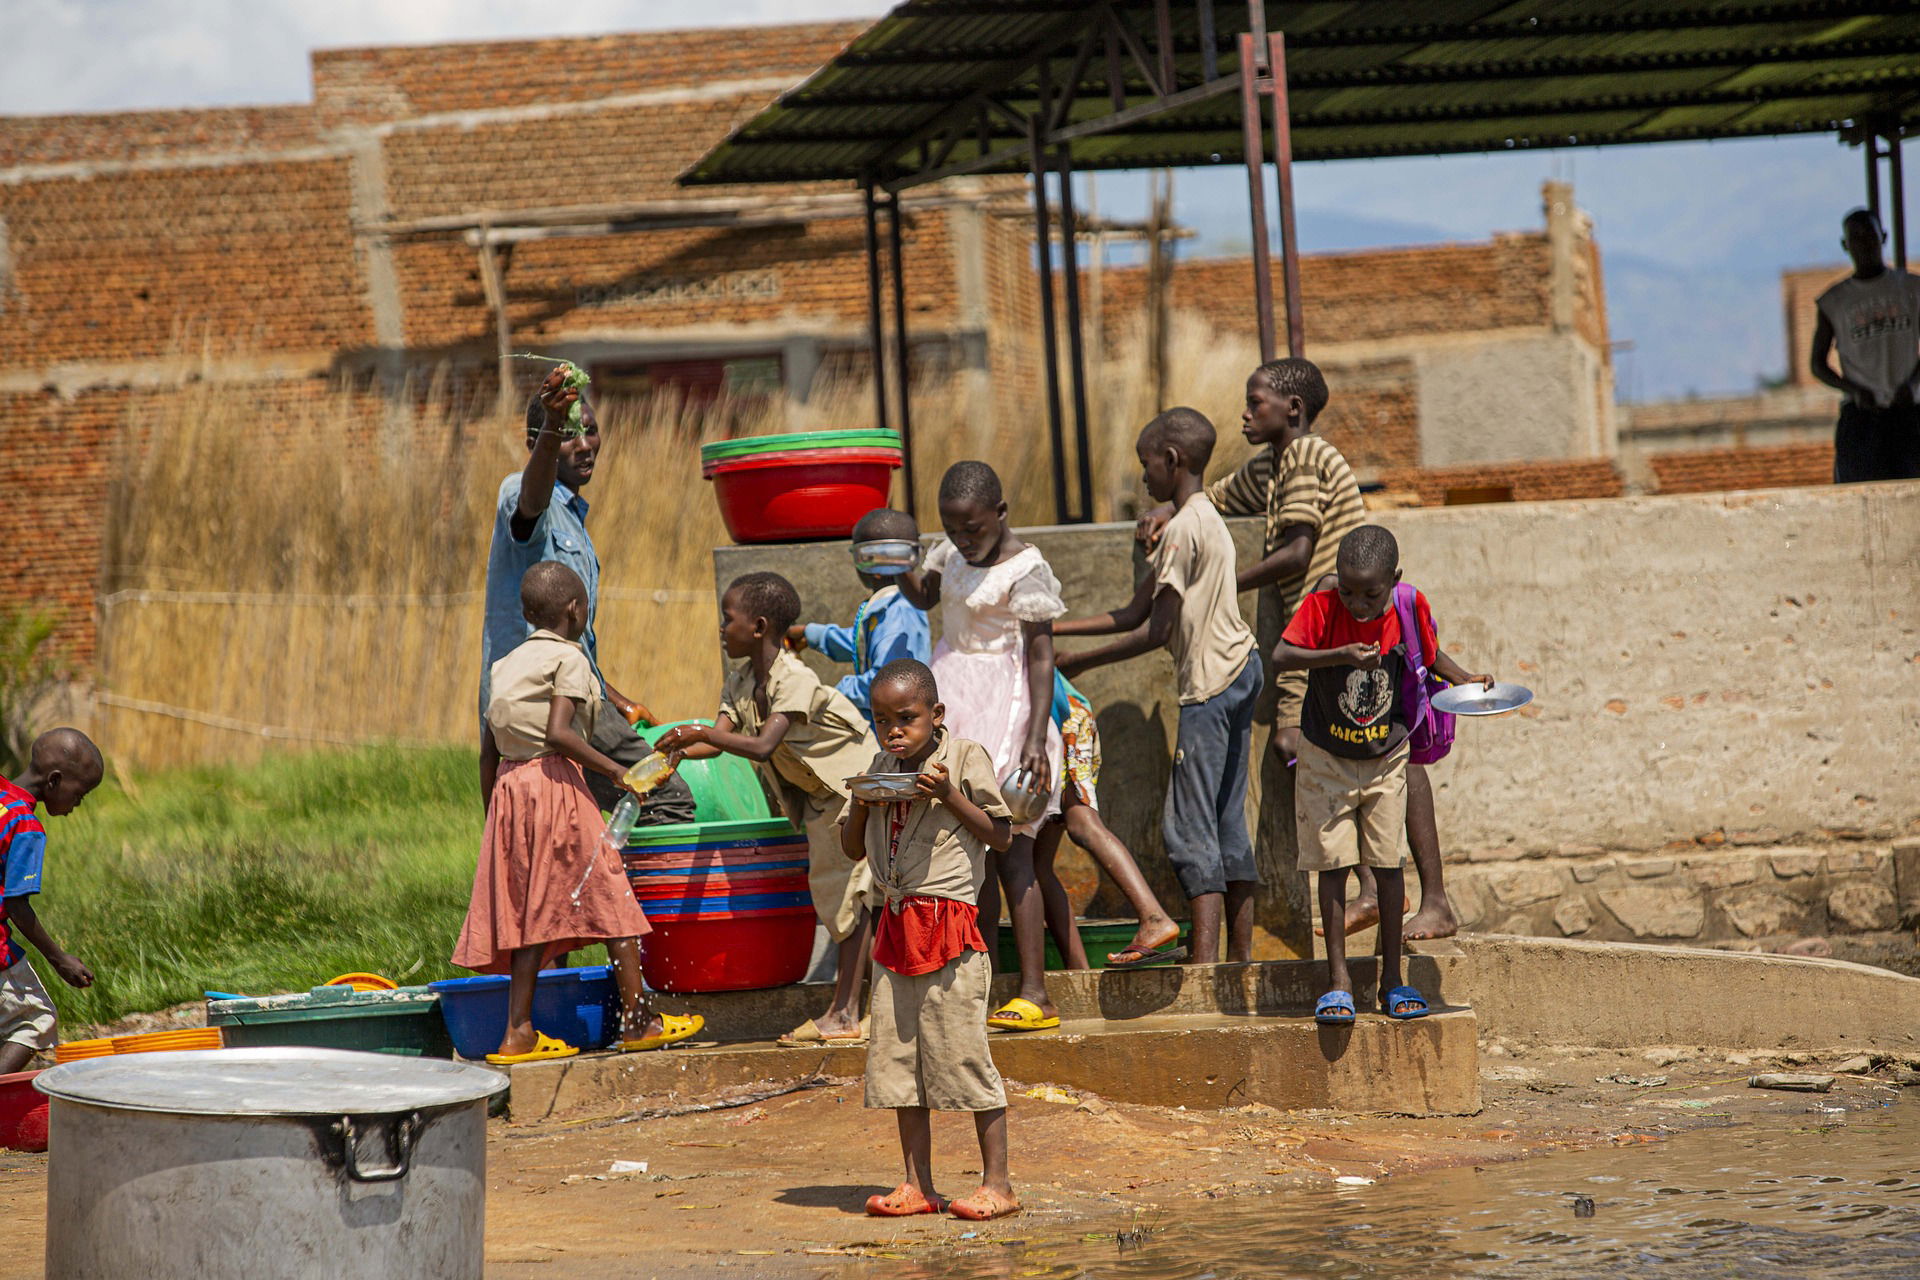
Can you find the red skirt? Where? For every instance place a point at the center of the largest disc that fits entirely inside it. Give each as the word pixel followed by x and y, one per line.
pixel 544 878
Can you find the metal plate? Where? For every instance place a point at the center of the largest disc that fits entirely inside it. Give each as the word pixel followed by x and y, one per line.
pixel 882 788
pixel 269 1082
pixel 1478 700
pixel 886 556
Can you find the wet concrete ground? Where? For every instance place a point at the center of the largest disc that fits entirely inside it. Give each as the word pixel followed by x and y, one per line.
pixel 777 1187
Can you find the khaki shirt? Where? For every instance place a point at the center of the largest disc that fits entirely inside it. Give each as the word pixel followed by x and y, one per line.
pixel 523 686
pixel 1211 642
pixel 827 738
pixel 937 858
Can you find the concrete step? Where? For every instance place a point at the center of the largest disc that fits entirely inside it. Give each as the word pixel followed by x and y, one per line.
pixel 1270 988
pixel 1203 1060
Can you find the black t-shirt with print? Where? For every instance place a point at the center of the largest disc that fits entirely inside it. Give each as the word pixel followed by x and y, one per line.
pixel 1360 715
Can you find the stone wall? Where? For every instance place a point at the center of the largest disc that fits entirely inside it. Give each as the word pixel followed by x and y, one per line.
pixel 1712 673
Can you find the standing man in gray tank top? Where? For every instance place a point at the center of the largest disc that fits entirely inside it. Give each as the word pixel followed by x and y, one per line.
pixel 1873 318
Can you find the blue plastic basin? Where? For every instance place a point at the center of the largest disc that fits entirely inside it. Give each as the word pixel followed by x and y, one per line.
pixel 578 1006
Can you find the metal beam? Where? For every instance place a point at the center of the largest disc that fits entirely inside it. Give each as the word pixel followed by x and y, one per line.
pixel 1896 180
pixel 1049 340
pixel 1871 146
pixel 876 334
pixel 1283 166
pixel 1076 342
pixel 903 360
pixel 1254 151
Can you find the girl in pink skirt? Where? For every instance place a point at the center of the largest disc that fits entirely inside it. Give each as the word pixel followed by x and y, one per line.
pixel 994 665
pixel 546 883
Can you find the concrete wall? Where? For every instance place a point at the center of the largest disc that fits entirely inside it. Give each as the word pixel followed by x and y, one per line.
pixel 1715 668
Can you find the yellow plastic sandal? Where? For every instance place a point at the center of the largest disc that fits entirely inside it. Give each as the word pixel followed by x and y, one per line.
pixel 544 1047
pixel 1021 1014
pixel 674 1027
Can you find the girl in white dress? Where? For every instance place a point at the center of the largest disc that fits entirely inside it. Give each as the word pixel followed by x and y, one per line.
pixel 994 665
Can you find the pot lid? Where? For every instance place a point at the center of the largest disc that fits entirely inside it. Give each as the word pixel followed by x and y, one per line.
pixel 269 1082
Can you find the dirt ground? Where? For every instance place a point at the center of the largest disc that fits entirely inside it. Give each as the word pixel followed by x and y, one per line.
pixel 776 1186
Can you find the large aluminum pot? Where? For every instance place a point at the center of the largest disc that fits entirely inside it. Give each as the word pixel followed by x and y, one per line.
pixel 267 1164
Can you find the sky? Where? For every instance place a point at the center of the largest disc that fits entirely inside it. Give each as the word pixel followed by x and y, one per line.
pixel 1693 236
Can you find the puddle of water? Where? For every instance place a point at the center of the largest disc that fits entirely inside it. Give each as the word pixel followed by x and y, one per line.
pixel 1833 1197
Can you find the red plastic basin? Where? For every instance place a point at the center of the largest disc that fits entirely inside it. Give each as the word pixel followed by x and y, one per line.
pixel 786 500
pixel 23 1113
pixel 735 954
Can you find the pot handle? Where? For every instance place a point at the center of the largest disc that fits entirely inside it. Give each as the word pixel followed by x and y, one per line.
pixel 401 1136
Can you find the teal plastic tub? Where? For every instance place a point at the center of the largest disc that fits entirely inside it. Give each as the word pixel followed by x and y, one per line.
pixel 405 1022
pixel 1099 937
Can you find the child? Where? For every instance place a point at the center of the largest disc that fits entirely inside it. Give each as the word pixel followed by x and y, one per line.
pixel 884 628
pixel 930 968
pixel 63 765
pixel 809 739
pixel 995 662
pixel 545 883
pixel 1350 785
pixel 1187 603
pixel 1079 816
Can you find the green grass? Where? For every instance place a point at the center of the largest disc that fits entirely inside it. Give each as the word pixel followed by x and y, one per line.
pixel 270 877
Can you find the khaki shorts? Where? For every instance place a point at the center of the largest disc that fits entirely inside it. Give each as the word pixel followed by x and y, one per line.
pixel 1289 695
pixel 1350 813
pixel 26 1014
pixel 839 886
pixel 929 1042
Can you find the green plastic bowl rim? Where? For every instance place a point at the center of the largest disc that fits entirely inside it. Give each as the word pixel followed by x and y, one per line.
pixel 800 440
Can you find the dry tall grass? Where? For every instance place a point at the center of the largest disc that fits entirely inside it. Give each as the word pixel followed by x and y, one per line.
pixel 317 578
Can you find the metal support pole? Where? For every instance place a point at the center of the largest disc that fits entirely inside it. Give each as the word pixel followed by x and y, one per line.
pixel 1283 164
pixel 902 357
pixel 1897 182
pixel 1872 147
pixel 1076 344
pixel 876 335
pixel 1251 131
pixel 1049 340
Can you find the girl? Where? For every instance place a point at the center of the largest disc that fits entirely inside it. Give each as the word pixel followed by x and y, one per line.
pixel 545 884
pixel 994 664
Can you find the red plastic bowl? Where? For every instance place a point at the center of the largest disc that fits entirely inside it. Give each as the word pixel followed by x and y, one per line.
pixel 729 954
pixel 780 499
pixel 23 1113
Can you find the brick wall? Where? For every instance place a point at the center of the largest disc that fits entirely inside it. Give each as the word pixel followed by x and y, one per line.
pixel 1710 470
pixel 1509 481
pixel 1800 294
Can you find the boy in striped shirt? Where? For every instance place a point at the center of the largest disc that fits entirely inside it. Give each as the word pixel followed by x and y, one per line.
pixel 62 768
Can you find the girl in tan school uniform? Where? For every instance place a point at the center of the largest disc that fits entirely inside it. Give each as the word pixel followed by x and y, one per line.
pixel 930 971
pixel 545 884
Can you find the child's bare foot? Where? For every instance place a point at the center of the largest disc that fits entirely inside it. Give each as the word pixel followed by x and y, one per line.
pixel 1362 913
pixel 1434 919
pixel 1154 933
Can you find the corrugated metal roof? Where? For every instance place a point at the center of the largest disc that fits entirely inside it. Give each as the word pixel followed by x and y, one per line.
pixel 1365 78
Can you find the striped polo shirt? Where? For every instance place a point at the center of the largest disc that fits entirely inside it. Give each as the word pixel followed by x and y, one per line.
pixel 23 846
pixel 1309 484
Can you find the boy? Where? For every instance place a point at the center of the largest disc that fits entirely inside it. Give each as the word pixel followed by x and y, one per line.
pixel 884 628
pixel 808 739
pixel 930 970
pixel 1187 603
pixel 1350 784
pixel 62 767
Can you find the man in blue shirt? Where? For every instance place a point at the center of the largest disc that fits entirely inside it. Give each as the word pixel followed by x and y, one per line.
pixel 885 627
pixel 540 516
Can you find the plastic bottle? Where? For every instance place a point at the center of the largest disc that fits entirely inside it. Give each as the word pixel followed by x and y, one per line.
pixel 620 825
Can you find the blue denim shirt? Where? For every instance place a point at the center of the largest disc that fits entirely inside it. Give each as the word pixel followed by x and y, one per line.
pixel 559 534
pixel 885 628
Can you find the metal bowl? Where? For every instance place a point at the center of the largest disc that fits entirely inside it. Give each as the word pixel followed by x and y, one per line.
pixel 1024 802
pixel 1478 700
pixel 883 788
pixel 887 557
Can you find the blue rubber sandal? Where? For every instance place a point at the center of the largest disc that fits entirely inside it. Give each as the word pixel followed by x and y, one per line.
pixel 1390 1004
pixel 1334 1009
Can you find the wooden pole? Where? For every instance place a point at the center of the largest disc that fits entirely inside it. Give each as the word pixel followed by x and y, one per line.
pixel 494 285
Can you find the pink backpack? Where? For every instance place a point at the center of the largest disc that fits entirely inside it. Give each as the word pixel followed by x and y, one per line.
pixel 1432 731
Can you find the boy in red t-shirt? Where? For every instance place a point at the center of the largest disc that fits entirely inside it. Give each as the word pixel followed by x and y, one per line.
pixel 1350 785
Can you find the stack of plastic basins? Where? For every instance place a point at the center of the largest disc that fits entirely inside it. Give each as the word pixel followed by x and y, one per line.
pixel 804 486
pixel 728 903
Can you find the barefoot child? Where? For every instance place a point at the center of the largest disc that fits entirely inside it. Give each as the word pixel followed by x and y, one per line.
pixel 807 739
pixel 1155 938
pixel 546 883
pixel 994 661
pixel 63 765
pixel 1350 785
pixel 1188 604
pixel 885 627
pixel 930 970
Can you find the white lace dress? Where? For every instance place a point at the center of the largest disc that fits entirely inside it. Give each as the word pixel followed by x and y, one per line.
pixel 980 662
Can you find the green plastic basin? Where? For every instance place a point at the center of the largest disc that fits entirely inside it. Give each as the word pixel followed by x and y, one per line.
pixel 731 830
pixel 746 446
pixel 725 788
pixel 1099 937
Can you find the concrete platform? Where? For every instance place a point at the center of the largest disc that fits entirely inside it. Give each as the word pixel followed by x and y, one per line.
pixel 1202 1060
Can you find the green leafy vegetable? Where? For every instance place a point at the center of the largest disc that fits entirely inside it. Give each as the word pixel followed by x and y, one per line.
pixel 577 379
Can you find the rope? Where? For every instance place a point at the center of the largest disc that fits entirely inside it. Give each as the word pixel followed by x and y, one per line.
pixel 276 732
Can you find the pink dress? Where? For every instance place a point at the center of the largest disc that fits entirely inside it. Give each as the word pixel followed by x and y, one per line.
pixel 980 663
pixel 544 878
